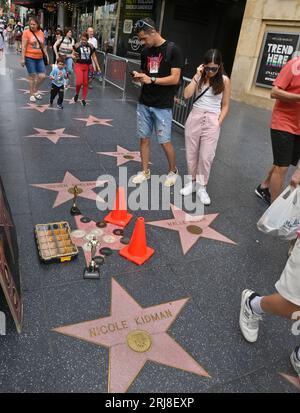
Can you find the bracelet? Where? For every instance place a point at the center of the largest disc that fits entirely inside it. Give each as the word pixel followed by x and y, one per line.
pixel 195 80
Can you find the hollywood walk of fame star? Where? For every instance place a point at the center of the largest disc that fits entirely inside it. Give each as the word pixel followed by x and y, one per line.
pixel 135 335
pixel 39 108
pixel 191 228
pixel 6 223
pixel 72 102
pixel 68 182
pixel 26 91
pixel 53 135
pixel 92 120
pixel 123 155
pixel 90 229
pixel 295 381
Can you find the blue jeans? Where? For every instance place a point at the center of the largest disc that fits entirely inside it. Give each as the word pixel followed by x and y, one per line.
pixel 34 65
pixel 149 118
pixel 69 65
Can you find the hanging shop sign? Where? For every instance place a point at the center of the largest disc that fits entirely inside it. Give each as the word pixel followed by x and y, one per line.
pixel 50 7
pixel 277 50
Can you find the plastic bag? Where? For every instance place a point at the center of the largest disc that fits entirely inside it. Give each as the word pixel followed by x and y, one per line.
pixel 282 218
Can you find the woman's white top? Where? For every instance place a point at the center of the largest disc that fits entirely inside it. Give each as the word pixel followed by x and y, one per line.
pixel 209 101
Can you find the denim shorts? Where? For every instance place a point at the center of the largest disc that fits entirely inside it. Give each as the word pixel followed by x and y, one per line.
pixel 149 118
pixel 34 65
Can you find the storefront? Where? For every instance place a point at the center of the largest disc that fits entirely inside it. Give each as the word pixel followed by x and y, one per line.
pixel 270 36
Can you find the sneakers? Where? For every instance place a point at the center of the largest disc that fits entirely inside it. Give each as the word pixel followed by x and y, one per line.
pixel 203 195
pixel 264 194
pixel 295 362
pixel 38 96
pixel 171 178
pixel 188 189
pixel 249 321
pixel 75 98
pixel 83 102
pixel 32 99
pixel 141 177
pixel 59 106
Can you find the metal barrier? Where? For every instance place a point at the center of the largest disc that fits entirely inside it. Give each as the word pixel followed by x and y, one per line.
pixel 181 107
pixel 115 71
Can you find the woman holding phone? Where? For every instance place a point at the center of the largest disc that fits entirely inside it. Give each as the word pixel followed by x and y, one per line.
pixel 211 89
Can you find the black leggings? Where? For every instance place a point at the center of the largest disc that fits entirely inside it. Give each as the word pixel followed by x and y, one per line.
pixel 57 90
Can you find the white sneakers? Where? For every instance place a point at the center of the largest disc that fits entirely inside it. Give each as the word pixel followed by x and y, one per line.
pixel 188 189
pixel 249 325
pixel 191 187
pixel 203 195
pixel 35 97
pixel 171 178
pixel 249 321
pixel 141 177
pixel 145 175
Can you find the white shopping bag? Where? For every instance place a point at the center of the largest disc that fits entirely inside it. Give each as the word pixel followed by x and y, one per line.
pixel 282 218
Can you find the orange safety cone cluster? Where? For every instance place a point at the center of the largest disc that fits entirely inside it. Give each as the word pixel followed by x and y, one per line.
pixel 119 216
pixel 137 251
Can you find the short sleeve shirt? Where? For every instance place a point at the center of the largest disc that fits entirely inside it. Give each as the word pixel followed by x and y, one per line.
pixel 84 53
pixel 286 115
pixel 93 41
pixel 155 64
pixel 33 48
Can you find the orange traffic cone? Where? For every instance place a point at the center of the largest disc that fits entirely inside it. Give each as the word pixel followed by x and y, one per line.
pixel 119 216
pixel 137 250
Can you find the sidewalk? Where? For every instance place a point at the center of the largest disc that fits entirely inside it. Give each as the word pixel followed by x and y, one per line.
pixel 212 274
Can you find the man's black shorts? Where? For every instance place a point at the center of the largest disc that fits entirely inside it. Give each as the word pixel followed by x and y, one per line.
pixel 286 148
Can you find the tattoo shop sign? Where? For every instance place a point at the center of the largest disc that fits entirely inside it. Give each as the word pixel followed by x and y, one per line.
pixel 277 50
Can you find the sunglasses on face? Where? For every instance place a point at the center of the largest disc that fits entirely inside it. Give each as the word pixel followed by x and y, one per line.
pixel 140 24
pixel 211 69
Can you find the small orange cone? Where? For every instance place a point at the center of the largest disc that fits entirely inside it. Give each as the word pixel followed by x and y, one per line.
pixel 137 250
pixel 119 216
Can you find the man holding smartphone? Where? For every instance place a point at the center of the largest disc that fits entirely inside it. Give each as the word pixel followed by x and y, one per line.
pixel 160 75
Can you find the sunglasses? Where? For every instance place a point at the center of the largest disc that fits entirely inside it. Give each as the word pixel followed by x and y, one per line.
pixel 211 69
pixel 140 24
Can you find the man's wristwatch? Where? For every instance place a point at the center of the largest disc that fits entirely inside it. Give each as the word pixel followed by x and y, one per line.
pixel 153 79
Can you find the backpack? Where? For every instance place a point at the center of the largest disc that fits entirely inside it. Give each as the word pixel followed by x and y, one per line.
pixel 170 46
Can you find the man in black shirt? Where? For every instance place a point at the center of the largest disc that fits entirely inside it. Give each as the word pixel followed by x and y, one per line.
pixel 161 64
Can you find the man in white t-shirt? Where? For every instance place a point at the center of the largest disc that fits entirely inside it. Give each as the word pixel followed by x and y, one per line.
pixel 92 39
pixel 94 42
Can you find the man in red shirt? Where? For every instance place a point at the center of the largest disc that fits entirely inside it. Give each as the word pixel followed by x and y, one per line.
pixel 285 130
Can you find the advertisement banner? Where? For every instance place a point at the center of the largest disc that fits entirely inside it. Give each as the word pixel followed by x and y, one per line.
pixel 9 263
pixel 131 11
pixel 277 50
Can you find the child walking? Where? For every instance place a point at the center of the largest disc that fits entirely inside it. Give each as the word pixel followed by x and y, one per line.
pixel 58 77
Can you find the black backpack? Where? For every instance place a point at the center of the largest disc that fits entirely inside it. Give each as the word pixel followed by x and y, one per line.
pixel 170 46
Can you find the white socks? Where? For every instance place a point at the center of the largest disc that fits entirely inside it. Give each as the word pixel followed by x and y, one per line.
pixel 255 306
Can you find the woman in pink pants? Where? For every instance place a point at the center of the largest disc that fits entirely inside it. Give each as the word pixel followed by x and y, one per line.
pixel 211 89
pixel 84 53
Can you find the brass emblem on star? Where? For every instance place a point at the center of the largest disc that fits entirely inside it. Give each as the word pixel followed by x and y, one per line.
pixel 74 189
pixel 139 341
pixel 194 229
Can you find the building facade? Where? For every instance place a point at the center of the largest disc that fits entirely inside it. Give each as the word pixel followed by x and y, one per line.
pixel 269 37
